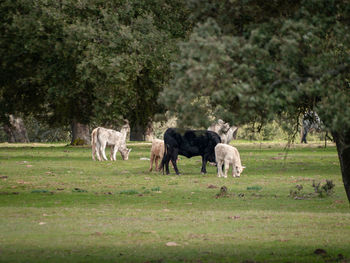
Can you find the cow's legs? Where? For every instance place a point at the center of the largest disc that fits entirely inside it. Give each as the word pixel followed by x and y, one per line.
pixel 93 148
pixel 151 163
pixel 219 167
pixel 166 160
pixel 97 151
pixel 112 149
pixel 227 166
pixel 102 149
pixel 156 162
pixel 233 171
pixel 115 150
pixel 204 164
pixel 174 155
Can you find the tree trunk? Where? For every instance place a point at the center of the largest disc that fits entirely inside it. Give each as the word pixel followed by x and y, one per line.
pixel 80 133
pixel 342 141
pixel 137 132
pixel 15 130
pixel 149 132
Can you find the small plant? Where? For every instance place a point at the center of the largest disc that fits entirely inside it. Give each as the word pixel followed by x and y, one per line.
pixel 155 189
pixel 129 192
pixel 255 187
pixel 223 192
pixel 78 142
pixel 78 190
pixel 297 192
pixel 324 190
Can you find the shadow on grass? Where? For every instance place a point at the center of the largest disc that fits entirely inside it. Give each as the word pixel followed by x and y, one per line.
pixel 277 251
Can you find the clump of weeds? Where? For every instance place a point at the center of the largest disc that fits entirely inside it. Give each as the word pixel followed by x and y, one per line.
pixel 324 190
pixel 320 190
pixel 223 192
pixel 297 192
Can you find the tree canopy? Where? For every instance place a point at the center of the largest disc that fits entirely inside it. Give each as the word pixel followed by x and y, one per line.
pixel 247 61
pixel 87 60
pixel 271 66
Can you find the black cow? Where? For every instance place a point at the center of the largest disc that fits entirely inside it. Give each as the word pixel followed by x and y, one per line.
pixel 189 143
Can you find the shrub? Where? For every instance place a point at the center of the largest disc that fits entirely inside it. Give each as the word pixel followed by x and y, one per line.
pixel 78 142
pixel 319 190
pixel 324 190
pixel 156 189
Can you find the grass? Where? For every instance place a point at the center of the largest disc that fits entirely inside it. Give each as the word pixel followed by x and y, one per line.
pixel 57 205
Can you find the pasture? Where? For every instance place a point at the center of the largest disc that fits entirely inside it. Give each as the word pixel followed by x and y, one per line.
pixel 57 205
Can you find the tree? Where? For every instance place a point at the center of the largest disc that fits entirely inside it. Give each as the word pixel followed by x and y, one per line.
pixel 16 130
pixel 82 61
pixel 277 64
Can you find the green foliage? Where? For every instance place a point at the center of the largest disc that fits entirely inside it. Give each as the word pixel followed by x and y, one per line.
pixel 254 187
pixel 78 142
pixel 156 189
pixel 40 131
pixel 270 131
pixel 275 64
pixel 88 61
pixel 129 192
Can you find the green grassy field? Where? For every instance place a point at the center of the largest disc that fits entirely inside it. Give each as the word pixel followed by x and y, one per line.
pixel 57 205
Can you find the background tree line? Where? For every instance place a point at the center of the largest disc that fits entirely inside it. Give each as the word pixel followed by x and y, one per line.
pixel 80 62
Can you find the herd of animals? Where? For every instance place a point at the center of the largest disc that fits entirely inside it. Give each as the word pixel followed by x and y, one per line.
pixel 211 144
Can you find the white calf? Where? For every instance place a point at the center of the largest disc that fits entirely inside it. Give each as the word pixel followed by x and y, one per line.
pixel 228 155
pixel 157 152
pixel 102 137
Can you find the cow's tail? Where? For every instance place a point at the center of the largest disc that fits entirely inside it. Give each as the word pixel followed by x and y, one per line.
pixel 94 148
pixel 93 143
pixel 164 157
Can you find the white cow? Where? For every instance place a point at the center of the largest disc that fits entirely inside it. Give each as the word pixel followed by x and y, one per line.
pixel 157 152
pixel 226 133
pixel 94 149
pixel 102 137
pixel 229 136
pixel 219 127
pixel 228 155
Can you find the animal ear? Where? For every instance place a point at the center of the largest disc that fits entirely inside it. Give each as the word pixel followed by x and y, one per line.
pixel 130 150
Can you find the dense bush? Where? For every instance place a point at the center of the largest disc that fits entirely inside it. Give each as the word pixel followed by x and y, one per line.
pixel 40 132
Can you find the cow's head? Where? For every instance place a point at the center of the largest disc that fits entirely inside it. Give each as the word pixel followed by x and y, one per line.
pixel 125 153
pixel 238 170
